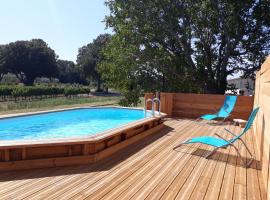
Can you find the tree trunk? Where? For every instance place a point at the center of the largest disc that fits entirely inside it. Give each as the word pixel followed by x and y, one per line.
pixel 98 84
pixel 163 82
pixel 217 84
pixel 222 81
pixel 1 77
pixel 28 81
pixel 222 85
pixel 217 87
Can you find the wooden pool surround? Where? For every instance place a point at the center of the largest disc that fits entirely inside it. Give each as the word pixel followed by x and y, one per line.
pixel 30 154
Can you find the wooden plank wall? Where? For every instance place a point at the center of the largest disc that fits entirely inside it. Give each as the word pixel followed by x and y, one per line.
pixel 194 105
pixel 80 151
pixel 262 124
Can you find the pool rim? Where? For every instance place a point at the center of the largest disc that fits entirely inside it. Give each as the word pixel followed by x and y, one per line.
pixel 4 144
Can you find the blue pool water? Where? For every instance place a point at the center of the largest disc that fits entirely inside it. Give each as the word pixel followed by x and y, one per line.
pixel 70 123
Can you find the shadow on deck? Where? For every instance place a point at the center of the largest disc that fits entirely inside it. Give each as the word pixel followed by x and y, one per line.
pixel 149 169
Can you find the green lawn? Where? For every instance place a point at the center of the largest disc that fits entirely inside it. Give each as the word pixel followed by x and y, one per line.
pixel 55 103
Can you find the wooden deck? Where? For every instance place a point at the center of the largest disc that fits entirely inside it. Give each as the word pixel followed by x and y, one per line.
pixel 150 169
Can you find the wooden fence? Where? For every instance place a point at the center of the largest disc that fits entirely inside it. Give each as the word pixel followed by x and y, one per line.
pixel 262 123
pixel 194 105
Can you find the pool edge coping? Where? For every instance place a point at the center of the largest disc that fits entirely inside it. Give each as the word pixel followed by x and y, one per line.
pixel 75 140
pixel 23 114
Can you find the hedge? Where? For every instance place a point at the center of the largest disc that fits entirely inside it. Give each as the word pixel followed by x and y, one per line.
pixel 32 91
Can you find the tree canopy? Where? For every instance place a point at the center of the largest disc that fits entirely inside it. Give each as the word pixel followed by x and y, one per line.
pixel 28 60
pixel 69 72
pixel 90 55
pixel 2 69
pixel 184 45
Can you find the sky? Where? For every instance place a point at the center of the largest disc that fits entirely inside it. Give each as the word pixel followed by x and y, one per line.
pixel 65 25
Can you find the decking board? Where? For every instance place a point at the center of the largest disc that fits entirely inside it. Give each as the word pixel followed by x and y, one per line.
pixel 198 172
pixel 84 180
pixel 139 191
pixel 207 176
pixel 149 169
pixel 215 185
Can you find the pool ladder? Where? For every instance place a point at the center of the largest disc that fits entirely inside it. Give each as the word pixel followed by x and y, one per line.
pixel 153 103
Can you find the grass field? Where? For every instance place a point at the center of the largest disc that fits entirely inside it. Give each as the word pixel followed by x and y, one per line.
pixel 55 103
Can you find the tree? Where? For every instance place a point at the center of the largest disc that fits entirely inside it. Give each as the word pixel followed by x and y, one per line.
pixel 3 70
pixel 29 60
pixel 184 45
pixel 90 55
pixel 68 72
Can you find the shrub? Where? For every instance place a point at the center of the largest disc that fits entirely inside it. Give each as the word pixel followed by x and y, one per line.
pixel 131 98
pixel 6 90
pixel 30 91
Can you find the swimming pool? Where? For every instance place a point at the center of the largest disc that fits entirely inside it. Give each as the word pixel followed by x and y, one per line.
pixel 71 136
pixel 69 123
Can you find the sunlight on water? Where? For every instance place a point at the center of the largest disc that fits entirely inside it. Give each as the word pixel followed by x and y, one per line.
pixel 71 123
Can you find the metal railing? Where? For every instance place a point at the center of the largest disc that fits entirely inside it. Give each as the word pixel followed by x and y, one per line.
pixel 153 103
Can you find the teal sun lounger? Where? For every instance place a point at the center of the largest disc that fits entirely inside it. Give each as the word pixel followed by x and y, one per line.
pixel 221 142
pixel 224 111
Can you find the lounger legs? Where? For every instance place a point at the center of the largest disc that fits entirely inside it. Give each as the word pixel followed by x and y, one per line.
pixel 211 153
pixel 252 157
pixel 200 122
pixel 181 144
pixel 247 164
pixel 177 146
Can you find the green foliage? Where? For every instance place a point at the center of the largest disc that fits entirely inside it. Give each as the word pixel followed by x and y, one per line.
pixel 131 99
pixel 69 72
pixel 31 91
pixel 69 91
pixel 2 62
pixel 6 91
pixel 28 60
pixel 90 55
pixel 187 46
pixel 52 103
pixel 20 92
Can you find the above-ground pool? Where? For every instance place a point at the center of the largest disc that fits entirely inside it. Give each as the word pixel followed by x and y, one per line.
pixel 69 123
pixel 72 136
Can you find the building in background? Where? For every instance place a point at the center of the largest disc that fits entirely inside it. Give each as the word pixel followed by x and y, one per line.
pixel 240 86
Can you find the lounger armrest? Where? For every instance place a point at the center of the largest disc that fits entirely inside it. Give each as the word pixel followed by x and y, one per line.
pixel 230 132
